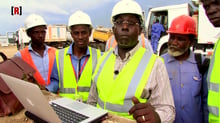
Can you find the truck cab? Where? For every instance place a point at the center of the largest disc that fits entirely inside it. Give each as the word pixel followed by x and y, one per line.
pixel 165 14
pixel 99 37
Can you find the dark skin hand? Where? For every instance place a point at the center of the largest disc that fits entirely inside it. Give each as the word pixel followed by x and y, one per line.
pixel 30 78
pixel 144 109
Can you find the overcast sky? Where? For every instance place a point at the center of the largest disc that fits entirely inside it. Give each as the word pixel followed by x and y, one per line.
pixel 58 11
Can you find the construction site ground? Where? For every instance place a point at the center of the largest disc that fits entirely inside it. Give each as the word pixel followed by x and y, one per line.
pixel 9 51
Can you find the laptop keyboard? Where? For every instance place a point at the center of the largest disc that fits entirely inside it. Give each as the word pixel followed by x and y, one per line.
pixel 68 116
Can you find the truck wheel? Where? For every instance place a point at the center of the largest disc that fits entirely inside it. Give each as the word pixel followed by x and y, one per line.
pixel 101 46
pixel 163 50
pixel 18 47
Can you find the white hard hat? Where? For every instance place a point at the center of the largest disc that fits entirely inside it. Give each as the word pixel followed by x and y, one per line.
pixel 127 7
pixel 79 17
pixel 34 20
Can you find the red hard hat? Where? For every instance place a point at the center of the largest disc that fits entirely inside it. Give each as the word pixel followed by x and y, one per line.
pixel 183 25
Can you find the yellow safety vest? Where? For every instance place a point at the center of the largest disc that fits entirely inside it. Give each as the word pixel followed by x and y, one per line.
pixel 213 80
pixel 68 85
pixel 115 95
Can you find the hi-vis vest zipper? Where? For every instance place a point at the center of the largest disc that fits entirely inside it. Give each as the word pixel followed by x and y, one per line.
pixel 115 95
pixel 213 80
pixel 68 85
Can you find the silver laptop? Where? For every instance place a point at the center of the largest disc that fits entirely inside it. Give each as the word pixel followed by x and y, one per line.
pixel 35 102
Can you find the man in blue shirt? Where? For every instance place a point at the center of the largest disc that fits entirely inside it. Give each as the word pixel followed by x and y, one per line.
pixel 156 31
pixel 38 54
pixel 189 89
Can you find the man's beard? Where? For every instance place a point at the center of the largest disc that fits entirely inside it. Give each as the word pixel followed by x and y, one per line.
pixel 175 51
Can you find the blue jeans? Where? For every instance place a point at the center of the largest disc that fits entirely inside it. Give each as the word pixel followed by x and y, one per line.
pixel 154 42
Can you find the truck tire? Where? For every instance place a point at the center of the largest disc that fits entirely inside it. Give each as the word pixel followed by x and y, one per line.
pixel 101 46
pixel 163 49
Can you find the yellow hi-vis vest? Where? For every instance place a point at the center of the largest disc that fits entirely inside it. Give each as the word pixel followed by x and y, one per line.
pixel 213 80
pixel 115 95
pixel 68 85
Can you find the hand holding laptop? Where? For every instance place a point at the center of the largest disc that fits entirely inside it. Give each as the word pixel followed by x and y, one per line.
pixel 30 78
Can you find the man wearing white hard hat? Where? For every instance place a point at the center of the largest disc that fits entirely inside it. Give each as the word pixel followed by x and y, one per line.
pixel 130 81
pixel 38 54
pixel 75 64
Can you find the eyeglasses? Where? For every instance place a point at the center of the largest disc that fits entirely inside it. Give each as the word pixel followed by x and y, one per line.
pixel 129 23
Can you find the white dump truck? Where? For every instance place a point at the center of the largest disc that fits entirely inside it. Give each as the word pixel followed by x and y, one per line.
pixel 206 32
pixel 57 36
pixel 9 38
pixel 4 40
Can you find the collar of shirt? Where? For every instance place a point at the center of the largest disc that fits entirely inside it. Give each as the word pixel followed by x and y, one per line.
pixel 31 49
pixel 128 54
pixel 190 59
pixel 69 52
pixel 119 63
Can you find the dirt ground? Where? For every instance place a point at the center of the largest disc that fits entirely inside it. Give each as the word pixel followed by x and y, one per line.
pixel 9 51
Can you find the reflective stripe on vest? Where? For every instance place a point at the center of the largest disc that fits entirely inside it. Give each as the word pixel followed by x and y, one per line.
pixel 213 80
pixel 83 85
pixel 142 39
pixel 111 41
pixel 102 64
pixel 25 54
pixel 132 83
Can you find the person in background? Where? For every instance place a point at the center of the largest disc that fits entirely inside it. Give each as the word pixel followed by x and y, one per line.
pixel 74 65
pixel 38 54
pixel 212 9
pixel 189 89
pixel 129 80
pixel 156 31
pixel 111 43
